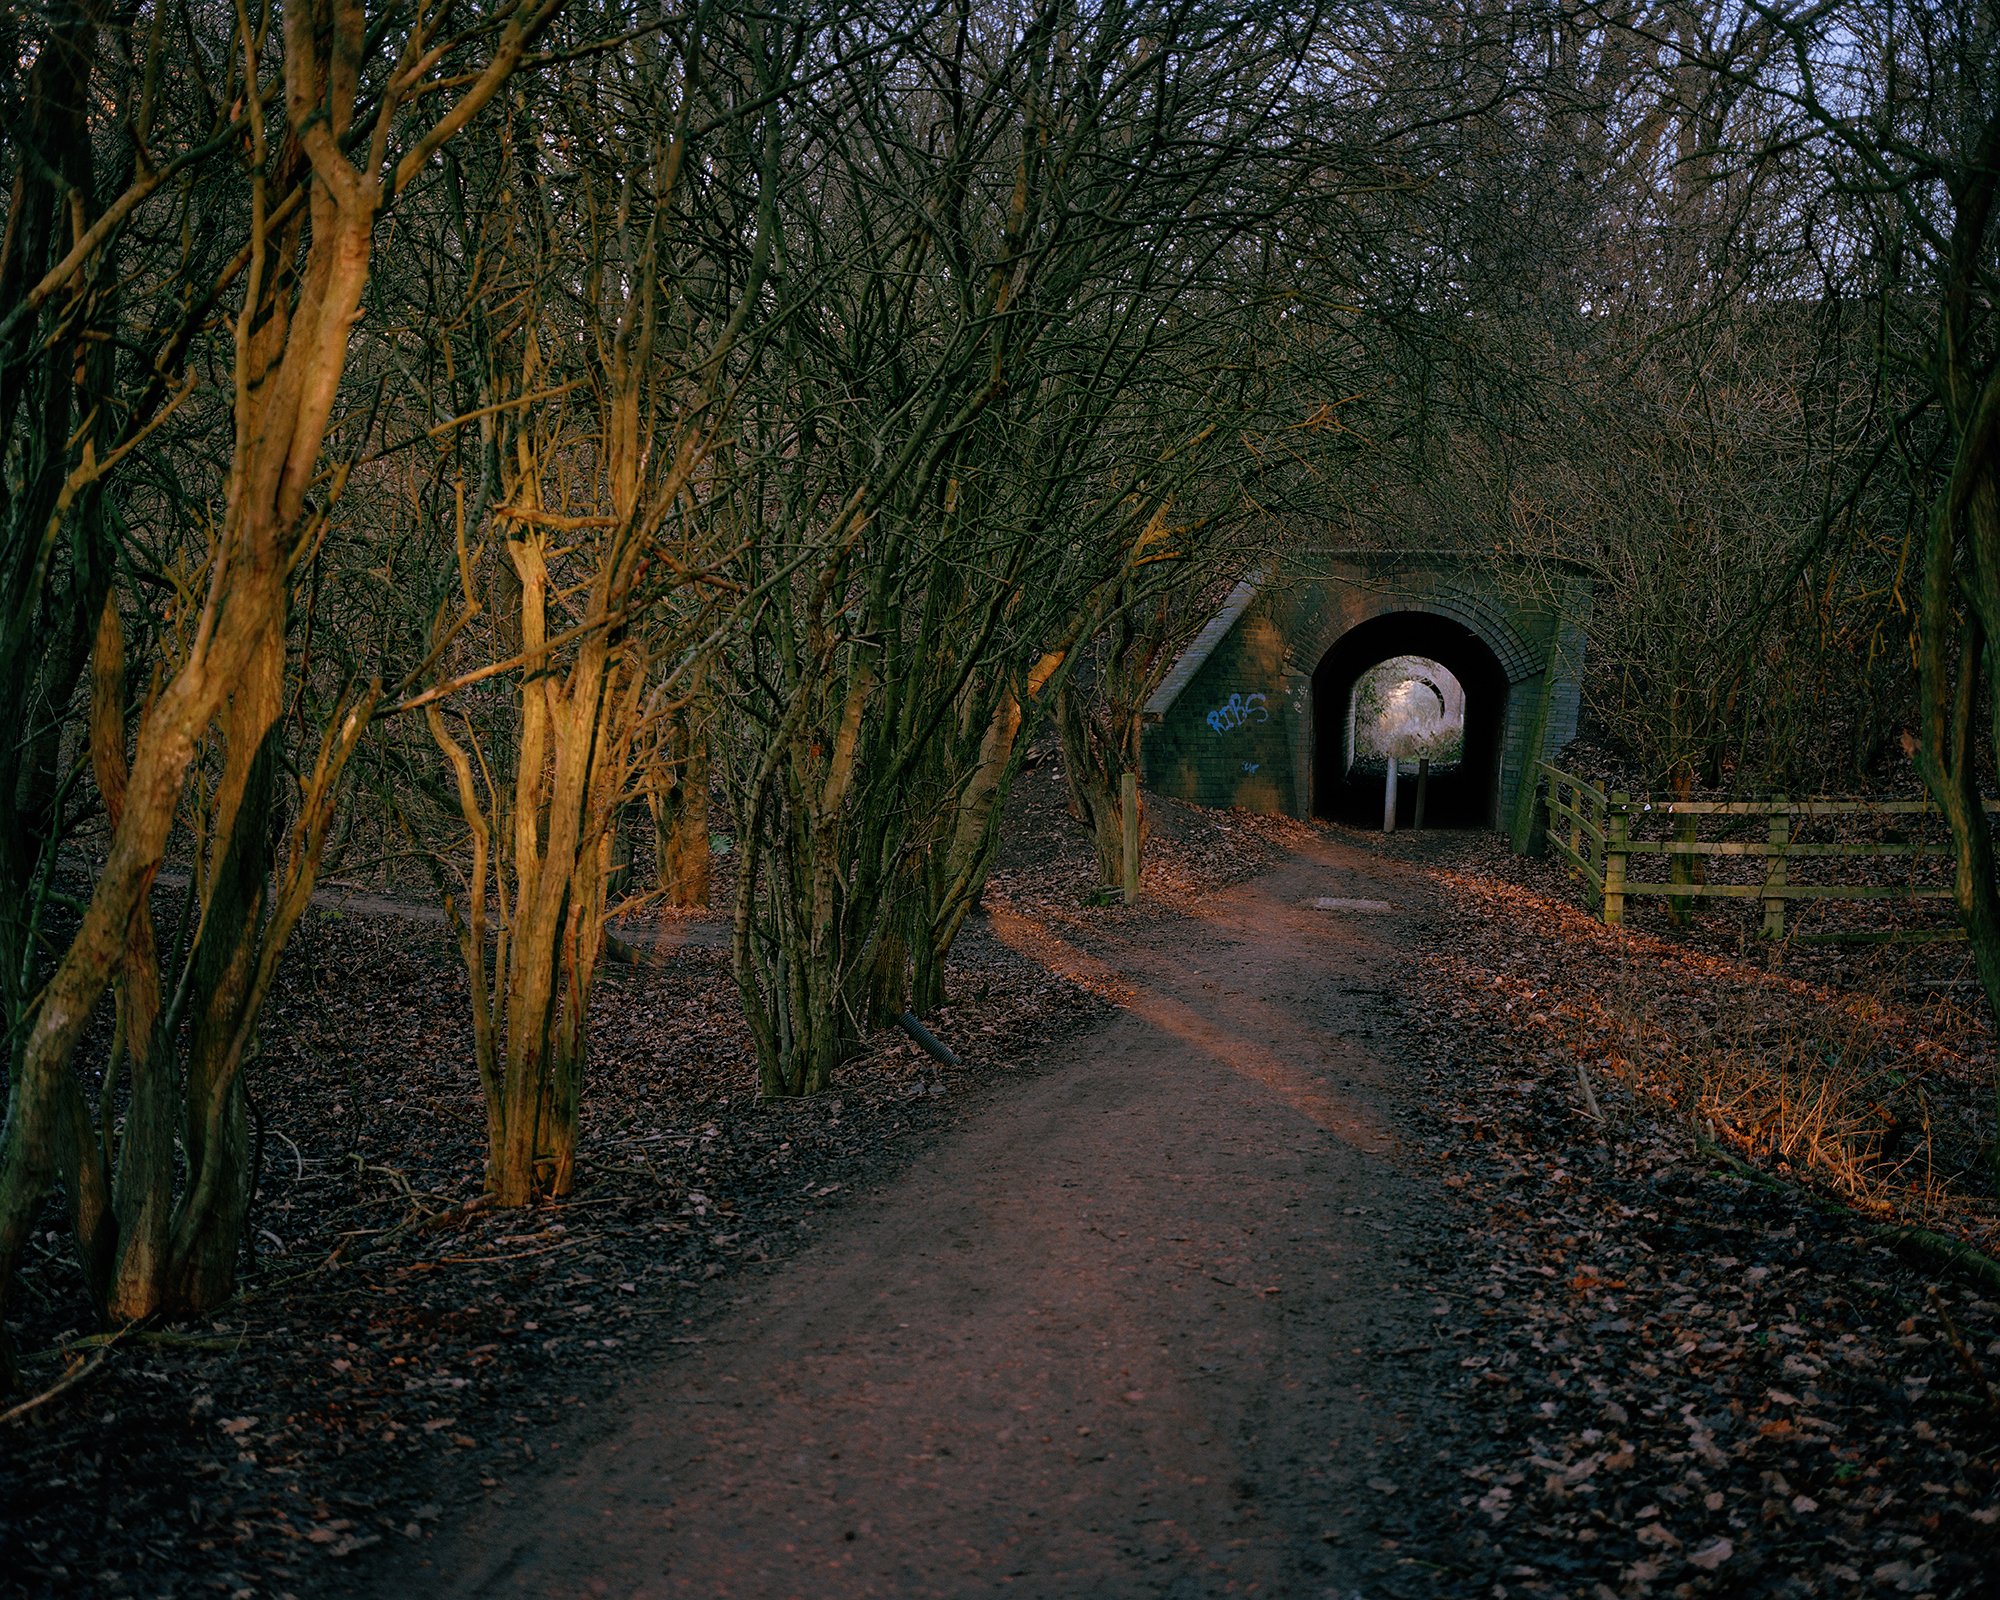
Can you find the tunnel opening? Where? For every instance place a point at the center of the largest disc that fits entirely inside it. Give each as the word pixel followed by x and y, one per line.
pixel 1424 685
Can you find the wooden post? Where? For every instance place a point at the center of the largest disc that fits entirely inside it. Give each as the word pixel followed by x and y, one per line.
pixel 1780 837
pixel 1389 795
pixel 1594 846
pixel 1576 819
pixel 1535 842
pixel 1128 817
pixel 1423 787
pixel 1684 866
pixel 1617 824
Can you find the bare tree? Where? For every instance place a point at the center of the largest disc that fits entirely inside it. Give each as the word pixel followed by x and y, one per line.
pixel 621 243
pixel 319 121
pixel 1001 234
pixel 1902 110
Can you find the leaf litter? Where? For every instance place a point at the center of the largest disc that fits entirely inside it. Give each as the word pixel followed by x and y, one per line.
pixel 1684 1355
pixel 397 1347
pixel 1674 1354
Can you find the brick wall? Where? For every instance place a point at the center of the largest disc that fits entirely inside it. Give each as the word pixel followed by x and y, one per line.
pixel 1239 728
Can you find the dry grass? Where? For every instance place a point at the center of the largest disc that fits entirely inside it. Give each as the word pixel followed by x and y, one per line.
pixel 1830 1107
pixel 1876 1101
pixel 1847 1090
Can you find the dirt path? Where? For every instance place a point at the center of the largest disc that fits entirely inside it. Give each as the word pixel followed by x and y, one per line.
pixel 1129 1333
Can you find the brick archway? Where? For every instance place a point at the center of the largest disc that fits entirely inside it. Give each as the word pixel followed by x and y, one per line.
pixel 1236 723
pixel 1464 797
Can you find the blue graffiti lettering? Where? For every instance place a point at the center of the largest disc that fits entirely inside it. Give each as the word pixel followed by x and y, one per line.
pixel 1238 710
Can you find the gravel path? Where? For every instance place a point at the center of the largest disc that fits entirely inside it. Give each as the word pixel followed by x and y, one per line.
pixel 1130 1332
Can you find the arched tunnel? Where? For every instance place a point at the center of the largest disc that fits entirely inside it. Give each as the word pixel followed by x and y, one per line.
pixel 1346 785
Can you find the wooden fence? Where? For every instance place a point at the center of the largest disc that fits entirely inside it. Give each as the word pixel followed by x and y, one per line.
pixel 1601 836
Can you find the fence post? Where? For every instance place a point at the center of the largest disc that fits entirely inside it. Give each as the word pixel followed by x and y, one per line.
pixel 1684 866
pixel 1576 818
pixel 1617 826
pixel 1594 849
pixel 1780 838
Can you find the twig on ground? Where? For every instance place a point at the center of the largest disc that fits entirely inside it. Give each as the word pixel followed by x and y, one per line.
pixel 1589 1095
pixel 932 1047
pixel 79 1371
pixel 1963 1351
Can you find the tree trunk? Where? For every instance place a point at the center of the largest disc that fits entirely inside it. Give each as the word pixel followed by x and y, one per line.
pixel 889 976
pixel 1100 745
pixel 1683 868
pixel 531 996
pixel 679 802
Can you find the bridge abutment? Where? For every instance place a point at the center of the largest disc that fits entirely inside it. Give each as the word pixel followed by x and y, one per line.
pixel 1253 713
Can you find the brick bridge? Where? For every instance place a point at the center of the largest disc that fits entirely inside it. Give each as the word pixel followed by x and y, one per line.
pixel 1255 713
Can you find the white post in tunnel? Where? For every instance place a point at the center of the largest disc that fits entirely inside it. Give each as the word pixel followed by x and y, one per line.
pixel 1389 794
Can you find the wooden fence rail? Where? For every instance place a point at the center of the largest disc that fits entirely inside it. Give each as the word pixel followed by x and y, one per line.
pixel 1595 832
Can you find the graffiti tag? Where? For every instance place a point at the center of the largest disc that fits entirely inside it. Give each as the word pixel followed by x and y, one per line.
pixel 1238 710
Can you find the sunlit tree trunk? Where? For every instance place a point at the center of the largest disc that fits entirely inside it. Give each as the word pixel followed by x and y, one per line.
pixel 1100 723
pixel 604 404
pixel 677 796
pixel 531 927
pixel 158 1203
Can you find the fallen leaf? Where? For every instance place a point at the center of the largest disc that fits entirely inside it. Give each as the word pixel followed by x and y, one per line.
pixel 1712 1554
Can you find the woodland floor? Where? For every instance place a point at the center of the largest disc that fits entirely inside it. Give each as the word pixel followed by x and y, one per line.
pixel 1257 1248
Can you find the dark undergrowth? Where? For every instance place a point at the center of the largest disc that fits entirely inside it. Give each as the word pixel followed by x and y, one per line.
pixel 396 1347
pixel 1682 1358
